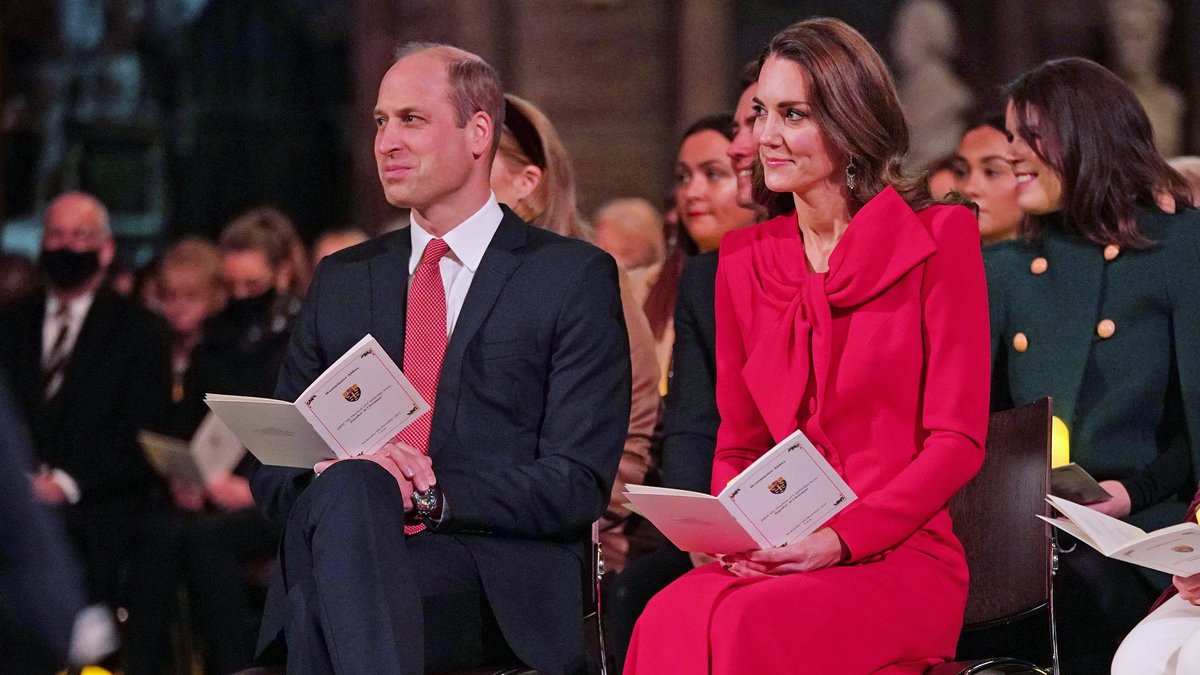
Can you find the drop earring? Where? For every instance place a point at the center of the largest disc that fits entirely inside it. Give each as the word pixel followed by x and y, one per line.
pixel 851 175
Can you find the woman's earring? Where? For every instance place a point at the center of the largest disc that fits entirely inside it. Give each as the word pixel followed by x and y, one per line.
pixel 851 175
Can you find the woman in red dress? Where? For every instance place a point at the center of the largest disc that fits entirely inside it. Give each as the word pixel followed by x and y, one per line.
pixel 862 320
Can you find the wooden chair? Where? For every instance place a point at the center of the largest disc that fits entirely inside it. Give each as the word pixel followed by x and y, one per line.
pixel 1009 552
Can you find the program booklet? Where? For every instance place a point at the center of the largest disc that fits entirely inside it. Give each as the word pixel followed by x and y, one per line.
pixel 359 403
pixel 1174 549
pixel 782 497
pixel 213 451
pixel 1073 483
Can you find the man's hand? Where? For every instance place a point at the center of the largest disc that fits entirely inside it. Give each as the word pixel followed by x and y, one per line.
pixel 818 550
pixel 1119 505
pixel 187 496
pixel 1189 588
pixel 230 492
pixel 410 467
pixel 47 491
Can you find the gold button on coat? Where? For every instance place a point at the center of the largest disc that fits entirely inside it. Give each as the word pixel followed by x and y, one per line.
pixel 1039 265
pixel 1106 328
pixel 1111 252
pixel 1020 342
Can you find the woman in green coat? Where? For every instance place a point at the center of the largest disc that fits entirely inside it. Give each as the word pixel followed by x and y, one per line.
pixel 1098 306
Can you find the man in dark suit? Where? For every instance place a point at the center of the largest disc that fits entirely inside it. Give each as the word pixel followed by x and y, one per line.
pixel 516 334
pixel 89 371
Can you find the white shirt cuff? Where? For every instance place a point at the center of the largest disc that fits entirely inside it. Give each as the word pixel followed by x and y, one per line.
pixel 69 487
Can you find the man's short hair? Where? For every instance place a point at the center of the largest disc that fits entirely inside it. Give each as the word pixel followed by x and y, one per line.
pixel 474 84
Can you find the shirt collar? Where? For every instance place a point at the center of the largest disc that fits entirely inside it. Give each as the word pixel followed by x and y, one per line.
pixel 76 307
pixel 468 241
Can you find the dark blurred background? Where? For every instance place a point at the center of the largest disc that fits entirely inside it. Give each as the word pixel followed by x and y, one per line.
pixel 179 114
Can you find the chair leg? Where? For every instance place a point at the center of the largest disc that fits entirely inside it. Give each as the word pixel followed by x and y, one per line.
pixel 1054 553
pixel 598 552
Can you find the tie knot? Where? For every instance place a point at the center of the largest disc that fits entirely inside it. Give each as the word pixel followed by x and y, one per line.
pixel 434 250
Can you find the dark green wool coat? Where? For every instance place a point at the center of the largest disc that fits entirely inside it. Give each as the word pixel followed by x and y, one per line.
pixel 1129 391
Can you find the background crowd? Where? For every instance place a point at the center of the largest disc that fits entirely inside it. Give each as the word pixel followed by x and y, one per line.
pixel 96 349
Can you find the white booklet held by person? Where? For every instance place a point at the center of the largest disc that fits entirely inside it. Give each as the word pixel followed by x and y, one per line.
pixel 1174 549
pixel 358 404
pixel 213 451
pixel 782 497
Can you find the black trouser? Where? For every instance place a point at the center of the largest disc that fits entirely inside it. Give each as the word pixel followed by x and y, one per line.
pixel 627 595
pixel 1098 601
pixel 362 598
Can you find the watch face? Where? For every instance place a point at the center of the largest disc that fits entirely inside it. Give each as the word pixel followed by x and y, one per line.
pixel 424 500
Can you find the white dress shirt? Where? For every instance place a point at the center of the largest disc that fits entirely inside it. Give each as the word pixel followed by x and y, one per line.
pixel 77 309
pixel 468 242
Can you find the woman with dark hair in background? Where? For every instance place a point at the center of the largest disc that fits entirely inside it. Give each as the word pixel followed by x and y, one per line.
pixel 861 319
pixel 706 197
pixel 984 175
pixel 1098 306
pixel 532 175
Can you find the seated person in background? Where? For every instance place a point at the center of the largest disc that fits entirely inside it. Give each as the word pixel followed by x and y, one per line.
pixel 1167 642
pixel 706 195
pixel 532 173
pixel 631 230
pixel 1095 306
pixel 985 176
pixel 515 336
pixel 44 624
pixel 333 241
pixel 90 371
pixel 862 320
pixel 188 291
pixel 941 177
pixel 19 279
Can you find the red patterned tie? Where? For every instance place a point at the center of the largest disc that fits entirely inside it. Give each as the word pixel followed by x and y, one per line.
pixel 424 344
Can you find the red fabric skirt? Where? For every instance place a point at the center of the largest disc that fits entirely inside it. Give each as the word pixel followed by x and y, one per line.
pixel 898 614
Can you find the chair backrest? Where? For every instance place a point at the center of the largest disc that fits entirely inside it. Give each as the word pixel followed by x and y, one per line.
pixel 1008 549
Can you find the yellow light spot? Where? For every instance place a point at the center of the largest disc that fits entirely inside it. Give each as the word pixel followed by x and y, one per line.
pixel 1060 443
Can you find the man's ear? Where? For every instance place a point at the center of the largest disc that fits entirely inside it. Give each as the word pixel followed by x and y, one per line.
pixel 108 251
pixel 482 131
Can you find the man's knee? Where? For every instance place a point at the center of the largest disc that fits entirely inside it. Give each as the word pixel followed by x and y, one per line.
pixel 348 488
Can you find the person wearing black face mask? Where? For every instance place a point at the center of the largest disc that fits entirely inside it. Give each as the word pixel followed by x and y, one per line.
pixel 88 370
pixel 243 346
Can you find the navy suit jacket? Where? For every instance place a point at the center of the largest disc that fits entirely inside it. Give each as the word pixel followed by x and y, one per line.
pixel 691 419
pixel 529 419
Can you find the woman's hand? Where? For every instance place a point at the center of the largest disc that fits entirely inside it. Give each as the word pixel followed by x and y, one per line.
pixel 818 550
pixel 1119 505
pixel 1189 588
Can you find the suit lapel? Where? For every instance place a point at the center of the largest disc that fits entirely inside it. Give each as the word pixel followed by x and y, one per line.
pixel 497 265
pixel 389 295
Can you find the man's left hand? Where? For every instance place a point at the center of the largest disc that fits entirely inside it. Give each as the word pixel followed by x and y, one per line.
pixel 47 491
pixel 818 550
